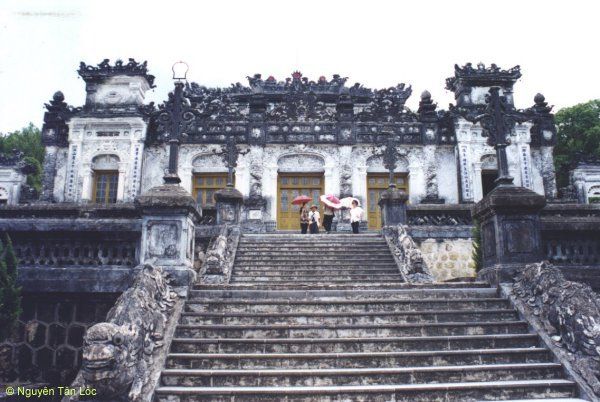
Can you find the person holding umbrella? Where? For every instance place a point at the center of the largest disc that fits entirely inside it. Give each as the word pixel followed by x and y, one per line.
pixel 331 203
pixel 356 215
pixel 303 219
pixel 302 200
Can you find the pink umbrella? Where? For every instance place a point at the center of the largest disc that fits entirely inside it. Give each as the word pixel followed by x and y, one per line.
pixel 333 198
pixel 327 200
pixel 301 199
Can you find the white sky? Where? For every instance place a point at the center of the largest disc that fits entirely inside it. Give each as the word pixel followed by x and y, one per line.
pixel 376 43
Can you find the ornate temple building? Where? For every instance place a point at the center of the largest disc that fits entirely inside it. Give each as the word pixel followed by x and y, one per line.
pixel 297 136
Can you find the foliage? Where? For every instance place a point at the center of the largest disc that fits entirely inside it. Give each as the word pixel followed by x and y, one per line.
pixel 578 132
pixel 476 254
pixel 29 141
pixel 10 293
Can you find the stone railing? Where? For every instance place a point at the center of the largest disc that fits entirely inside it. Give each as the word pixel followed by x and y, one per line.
pixel 220 255
pixel 40 251
pixel 569 314
pixel 407 254
pixel 571 234
pixel 80 248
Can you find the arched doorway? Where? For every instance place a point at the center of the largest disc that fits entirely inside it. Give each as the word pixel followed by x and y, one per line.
pixel 489 173
pixel 298 174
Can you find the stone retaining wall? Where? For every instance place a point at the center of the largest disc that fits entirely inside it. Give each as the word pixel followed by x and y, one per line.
pixel 448 259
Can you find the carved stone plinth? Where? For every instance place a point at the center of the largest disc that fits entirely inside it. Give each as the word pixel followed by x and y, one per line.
pixel 510 231
pixel 393 206
pixel 169 214
pixel 254 214
pixel 229 205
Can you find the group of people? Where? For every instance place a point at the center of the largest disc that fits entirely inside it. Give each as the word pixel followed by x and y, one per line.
pixel 310 219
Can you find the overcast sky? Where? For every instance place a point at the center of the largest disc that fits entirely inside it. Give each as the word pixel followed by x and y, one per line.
pixel 376 43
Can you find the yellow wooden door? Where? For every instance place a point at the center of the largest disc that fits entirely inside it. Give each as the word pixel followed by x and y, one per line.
pixel 291 185
pixel 206 185
pixel 376 184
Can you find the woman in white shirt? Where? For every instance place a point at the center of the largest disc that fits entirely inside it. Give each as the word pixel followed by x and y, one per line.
pixel 314 219
pixel 356 215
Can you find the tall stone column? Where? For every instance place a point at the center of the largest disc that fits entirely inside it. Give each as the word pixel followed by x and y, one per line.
pixel 548 173
pixel 477 184
pixel 431 181
pixel 169 215
pixel 255 206
pixel 347 188
pixel 510 230
pixel 49 173
pixel 86 186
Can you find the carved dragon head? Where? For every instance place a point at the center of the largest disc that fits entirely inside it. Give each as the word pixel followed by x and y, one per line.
pixel 109 355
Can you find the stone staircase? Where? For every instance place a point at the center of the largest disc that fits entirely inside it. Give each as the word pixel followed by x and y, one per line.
pixel 328 318
pixel 303 259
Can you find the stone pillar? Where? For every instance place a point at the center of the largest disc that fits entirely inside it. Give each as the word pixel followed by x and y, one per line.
pixel 169 214
pixel 547 171
pixel 49 173
pixel 510 231
pixel 229 205
pixel 477 184
pixel 431 181
pixel 86 186
pixel 393 206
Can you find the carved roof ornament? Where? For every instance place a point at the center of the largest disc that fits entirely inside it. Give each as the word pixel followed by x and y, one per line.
pixel 482 76
pixel 104 70
pixel 55 129
pixel 427 107
pixel 543 130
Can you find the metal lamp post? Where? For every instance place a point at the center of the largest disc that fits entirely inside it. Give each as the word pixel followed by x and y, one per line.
pixel 498 119
pixel 176 115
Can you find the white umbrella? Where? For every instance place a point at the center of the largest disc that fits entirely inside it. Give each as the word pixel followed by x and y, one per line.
pixel 347 202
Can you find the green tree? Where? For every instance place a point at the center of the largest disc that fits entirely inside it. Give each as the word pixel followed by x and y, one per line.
pixel 476 254
pixel 29 141
pixel 578 132
pixel 10 293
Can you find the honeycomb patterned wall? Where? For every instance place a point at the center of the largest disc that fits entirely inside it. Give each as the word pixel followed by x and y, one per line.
pixel 46 345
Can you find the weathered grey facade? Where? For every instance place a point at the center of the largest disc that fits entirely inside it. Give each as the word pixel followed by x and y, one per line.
pixel 297 126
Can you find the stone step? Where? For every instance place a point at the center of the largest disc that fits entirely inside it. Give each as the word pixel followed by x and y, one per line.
pixel 207 318
pixel 356 360
pixel 317 265
pixel 317 278
pixel 313 258
pixel 391 291
pixel 243 247
pixel 359 330
pixel 461 391
pixel 321 250
pixel 341 305
pixel 316 241
pixel 353 344
pixel 262 271
pixel 360 376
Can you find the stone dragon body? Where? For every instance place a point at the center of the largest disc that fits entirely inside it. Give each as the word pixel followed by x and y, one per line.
pixel 117 353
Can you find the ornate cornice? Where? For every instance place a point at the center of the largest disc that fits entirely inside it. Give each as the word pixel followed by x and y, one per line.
pixel 482 76
pixel 104 70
